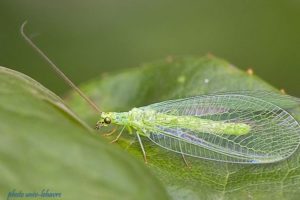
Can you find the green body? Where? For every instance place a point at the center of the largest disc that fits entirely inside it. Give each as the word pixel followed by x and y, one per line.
pixel 145 121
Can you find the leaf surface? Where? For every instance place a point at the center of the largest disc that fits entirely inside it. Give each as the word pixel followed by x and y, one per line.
pixel 44 146
pixel 183 77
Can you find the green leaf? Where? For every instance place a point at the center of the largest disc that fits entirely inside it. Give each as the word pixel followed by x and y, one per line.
pixel 44 145
pixel 181 77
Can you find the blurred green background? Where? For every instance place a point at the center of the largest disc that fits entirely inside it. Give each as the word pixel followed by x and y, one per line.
pixel 87 38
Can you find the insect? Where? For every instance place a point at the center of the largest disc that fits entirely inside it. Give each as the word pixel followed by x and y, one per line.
pixel 236 127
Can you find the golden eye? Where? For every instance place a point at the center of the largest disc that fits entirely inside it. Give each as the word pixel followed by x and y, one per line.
pixel 107 120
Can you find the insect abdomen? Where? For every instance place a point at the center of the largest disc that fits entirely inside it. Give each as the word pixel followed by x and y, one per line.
pixel 216 127
pixel 203 125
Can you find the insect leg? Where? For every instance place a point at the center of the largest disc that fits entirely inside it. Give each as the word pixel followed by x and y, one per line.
pixel 117 138
pixel 129 129
pixel 183 157
pixel 110 133
pixel 142 147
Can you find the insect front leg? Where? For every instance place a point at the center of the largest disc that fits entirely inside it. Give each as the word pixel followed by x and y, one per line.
pixel 110 133
pixel 119 135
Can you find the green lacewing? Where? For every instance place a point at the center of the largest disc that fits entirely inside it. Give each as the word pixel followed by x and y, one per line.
pixel 236 127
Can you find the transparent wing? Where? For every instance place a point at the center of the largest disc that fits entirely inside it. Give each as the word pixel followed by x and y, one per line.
pixel 282 100
pixel 274 133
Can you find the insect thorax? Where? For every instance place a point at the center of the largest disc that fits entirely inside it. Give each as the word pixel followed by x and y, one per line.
pixel 137 118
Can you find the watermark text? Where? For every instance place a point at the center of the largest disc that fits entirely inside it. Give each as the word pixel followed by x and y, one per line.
pixel 42 194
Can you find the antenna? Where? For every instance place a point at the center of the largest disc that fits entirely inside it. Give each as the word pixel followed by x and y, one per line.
pixel 57 70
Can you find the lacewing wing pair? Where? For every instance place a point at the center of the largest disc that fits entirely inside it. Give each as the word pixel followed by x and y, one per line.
pixel 236 127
